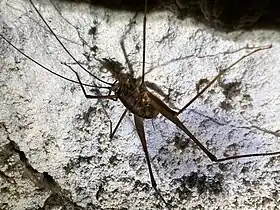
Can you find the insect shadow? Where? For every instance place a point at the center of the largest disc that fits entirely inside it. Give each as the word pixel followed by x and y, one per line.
pixel 136 97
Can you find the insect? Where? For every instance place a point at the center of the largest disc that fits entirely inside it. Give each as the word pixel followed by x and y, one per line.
pixel 143 104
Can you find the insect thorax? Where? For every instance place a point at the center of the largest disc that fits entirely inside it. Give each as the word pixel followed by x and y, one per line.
pixel 135 97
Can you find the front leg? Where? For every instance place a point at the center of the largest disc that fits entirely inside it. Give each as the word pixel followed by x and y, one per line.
pixel 112 97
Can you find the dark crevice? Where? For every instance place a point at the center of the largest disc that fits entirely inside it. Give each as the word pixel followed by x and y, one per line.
pixel 224 15
pixel 44 181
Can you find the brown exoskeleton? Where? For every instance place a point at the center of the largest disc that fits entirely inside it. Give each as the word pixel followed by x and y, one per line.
pixel 137 99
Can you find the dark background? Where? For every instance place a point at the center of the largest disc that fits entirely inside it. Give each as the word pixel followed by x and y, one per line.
pixel 221 14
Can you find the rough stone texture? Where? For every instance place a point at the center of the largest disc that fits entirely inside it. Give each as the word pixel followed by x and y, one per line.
pixel 55 146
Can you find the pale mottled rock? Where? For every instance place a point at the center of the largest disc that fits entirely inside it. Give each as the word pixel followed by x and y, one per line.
pixel 65 137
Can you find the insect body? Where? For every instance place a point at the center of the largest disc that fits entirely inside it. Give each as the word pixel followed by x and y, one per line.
pixel 135 97
pixel 144 105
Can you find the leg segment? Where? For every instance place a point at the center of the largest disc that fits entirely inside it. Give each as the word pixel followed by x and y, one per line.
pixel 220 74
pixel 118 124
pixel 172 116
pixel 112 97
pixel 141 133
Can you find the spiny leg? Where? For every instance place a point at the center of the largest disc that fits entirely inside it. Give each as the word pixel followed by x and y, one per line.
pixel 141 133
pixel 222 72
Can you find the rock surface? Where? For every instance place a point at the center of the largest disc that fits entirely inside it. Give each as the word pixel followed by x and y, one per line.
pixel 55 147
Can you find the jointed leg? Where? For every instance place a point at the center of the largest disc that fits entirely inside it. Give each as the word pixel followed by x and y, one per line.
pixel 141 133
pixel 118 124
pixel 172 116
pixel 220 74
pixel 209 154
pixel 112 97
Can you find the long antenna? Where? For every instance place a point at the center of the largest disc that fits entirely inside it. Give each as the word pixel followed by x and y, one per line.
pixel 46 68
pixel 144 42
pixel 65 47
